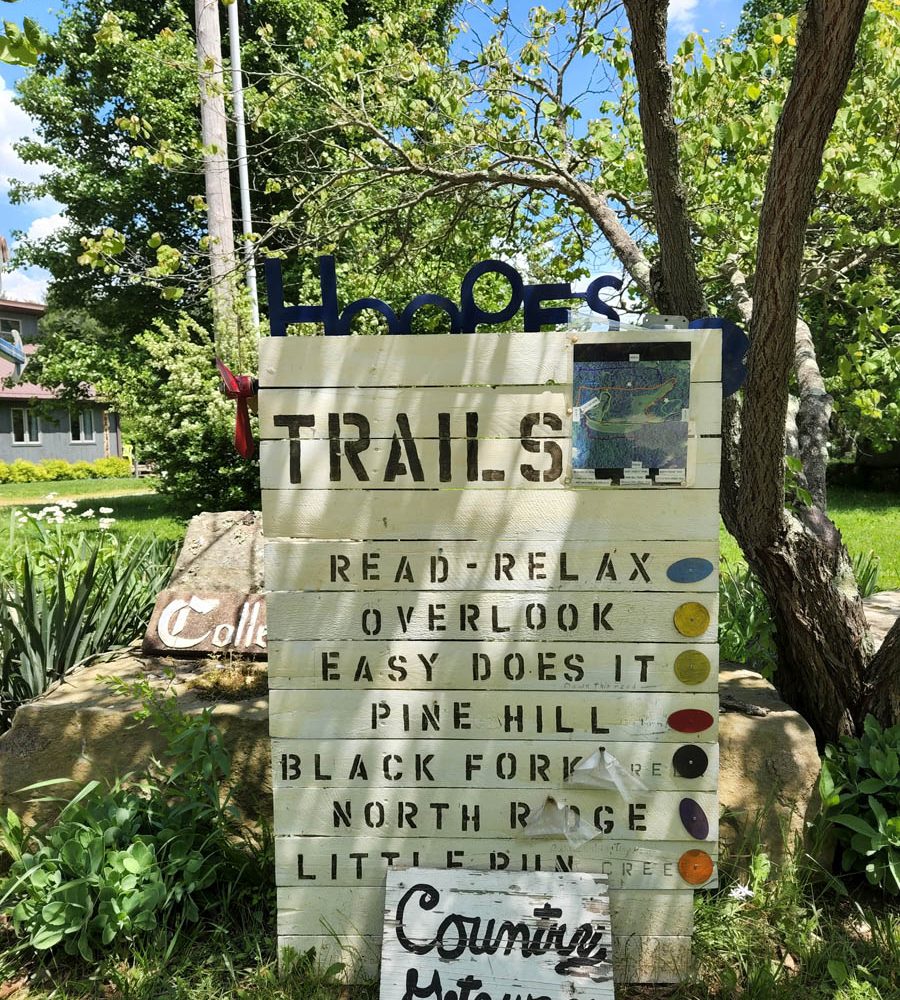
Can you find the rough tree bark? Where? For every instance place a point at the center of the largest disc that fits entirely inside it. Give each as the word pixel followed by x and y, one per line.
pixel 678 289
pixel 824 650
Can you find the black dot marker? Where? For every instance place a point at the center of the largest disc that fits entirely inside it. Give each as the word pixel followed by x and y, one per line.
pixel 690 761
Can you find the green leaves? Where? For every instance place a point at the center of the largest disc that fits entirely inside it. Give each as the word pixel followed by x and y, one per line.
pixel 121 860
pixel 860 790
pixel 22 46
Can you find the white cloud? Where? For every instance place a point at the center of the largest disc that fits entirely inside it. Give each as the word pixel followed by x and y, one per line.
pixel 26 284
pixel 14 125
pixel 681 15
pixel 45 226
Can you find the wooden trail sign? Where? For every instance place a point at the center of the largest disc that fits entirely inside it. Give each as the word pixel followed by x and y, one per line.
pixel 493 574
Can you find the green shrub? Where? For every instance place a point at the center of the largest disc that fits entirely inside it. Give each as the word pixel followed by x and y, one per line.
pixel 23 471
pixel 866 568
pixel 112 468
pixel 4 472
pixel 82 470
pixel 141 853
pixel 860 790
pixel 746 630
pixel 181 423
pixel 55 469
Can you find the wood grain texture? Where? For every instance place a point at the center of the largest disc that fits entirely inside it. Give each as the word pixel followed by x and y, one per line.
pixel 493 515
pixel 498 666
pixel 500 410
pixel 521 716
pixel 363 860
pixel 441 926
pixel 360 910
pixel 636 958
pixel 421 812
pixel 521 359
pixel 470 615
pixel 307 565
pixel 485 763
pixel 497 457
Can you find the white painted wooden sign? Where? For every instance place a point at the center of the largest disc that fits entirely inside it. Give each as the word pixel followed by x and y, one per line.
pixel 491 936
pixel 493 573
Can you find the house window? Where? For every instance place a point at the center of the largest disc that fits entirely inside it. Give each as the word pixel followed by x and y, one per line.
pixel 82 427
pixel 10 326
pixel 26 427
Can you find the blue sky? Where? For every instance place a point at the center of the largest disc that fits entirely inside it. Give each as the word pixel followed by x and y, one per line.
pixel 39 218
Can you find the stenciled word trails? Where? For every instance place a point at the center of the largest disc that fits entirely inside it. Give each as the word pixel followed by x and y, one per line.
pixel 350 437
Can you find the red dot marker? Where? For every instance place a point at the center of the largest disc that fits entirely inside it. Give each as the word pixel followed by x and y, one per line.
pixel 690 720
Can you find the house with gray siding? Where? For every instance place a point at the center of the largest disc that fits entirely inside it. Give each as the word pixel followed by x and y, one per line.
pixel 31 426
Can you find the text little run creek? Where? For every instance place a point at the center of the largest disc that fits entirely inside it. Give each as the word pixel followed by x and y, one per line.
pixel 363 866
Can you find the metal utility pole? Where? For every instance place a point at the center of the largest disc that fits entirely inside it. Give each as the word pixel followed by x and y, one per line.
pixel 214 128
pixel 240 141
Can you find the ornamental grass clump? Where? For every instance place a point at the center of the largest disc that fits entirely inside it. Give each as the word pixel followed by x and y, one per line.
pixel 69 589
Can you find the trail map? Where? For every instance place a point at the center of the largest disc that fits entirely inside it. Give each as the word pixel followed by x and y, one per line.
pixel 630 413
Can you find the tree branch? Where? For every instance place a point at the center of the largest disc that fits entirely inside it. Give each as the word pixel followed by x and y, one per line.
pixel 825 49
pixel 679 290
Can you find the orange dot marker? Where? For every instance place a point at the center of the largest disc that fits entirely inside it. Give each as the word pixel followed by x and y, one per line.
pixel 691 619
pixel 695 867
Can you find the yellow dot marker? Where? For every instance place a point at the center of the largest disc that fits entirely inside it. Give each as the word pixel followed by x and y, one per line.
pixel 691 619
pixel 695 867
pixel 691 666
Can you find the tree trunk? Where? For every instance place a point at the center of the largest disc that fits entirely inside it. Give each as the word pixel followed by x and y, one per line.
pixel 214 127
pixel 802 565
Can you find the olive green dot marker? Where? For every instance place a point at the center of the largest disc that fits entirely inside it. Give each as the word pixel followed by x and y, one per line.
pixel 691 619
pixel 691 666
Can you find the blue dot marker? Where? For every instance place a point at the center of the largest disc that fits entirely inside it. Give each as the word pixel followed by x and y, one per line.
pixel 689 570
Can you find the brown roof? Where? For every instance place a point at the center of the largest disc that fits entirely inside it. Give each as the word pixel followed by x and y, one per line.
pixel 31 308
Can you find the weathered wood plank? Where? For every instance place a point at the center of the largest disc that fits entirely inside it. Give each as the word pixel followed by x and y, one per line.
pixel 470 615
pixel 500 410
pixel 363 860
pixel 498 666
pixel 305 565
pixel 492 929
pixel 422 812
pixel 522 359
pixel 526 715
pixel 502 464
pixel 361 909
pixel 636 958
pixel 486 763
pixel 491 515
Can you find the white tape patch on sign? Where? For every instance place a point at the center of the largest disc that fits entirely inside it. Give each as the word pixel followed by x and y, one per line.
pixel 493 572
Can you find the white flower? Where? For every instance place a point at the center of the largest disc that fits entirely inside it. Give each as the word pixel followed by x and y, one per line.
pixel 741 892
pixel 106 510
pixel 106 522
pixel 51 496
pixel 22 519
pixel 87 513
pixel 68 504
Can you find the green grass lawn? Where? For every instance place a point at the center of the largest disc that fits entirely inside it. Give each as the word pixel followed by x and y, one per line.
pixel 869 520
pixel 136 508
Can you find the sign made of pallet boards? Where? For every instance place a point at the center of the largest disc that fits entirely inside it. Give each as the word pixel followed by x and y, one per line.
pixel 492 564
